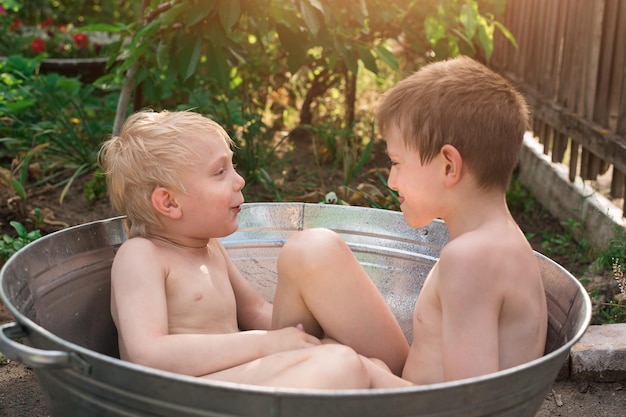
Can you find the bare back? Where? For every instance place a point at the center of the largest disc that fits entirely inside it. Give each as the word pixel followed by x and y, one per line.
pixel 482 308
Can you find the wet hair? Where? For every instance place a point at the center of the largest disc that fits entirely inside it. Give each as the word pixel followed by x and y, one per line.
pixel 151 151
pixel 463 103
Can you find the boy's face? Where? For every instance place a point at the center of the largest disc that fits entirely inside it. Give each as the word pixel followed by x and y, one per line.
pixel 214 197
pixel 418 185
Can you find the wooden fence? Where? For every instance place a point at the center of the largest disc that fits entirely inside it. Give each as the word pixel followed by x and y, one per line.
pixel 571 65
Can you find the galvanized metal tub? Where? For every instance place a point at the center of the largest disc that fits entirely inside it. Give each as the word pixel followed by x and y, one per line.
pixel 58 290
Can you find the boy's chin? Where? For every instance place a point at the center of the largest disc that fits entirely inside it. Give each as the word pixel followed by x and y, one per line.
pixel 416 222
pixel 234 229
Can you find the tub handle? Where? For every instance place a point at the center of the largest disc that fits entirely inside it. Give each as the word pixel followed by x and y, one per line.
pixel 37 358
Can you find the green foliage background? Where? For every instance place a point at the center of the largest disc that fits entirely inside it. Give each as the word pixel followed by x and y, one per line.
pixel 259 67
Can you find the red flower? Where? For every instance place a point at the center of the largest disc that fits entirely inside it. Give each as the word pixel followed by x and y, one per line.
pixel 15 25
pixel 81 40
pixel 48 22
pixel 38 45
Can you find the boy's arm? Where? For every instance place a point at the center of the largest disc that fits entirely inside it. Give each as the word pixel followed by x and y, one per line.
pixel 253 312
pixel 139 309
pixel 470 304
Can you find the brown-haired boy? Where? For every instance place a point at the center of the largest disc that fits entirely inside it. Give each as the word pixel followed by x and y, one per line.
pixel 454 131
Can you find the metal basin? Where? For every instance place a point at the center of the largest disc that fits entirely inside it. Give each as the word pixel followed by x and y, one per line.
pixel 58 290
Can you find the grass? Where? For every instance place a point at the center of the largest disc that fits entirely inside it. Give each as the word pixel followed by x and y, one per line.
pixel 600 270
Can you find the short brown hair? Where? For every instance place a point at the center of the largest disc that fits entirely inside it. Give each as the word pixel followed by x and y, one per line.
pixel 151 151
pixel 463 103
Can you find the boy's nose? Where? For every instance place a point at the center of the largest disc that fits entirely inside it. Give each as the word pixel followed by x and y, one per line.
pixel 391 180
pixel 240 182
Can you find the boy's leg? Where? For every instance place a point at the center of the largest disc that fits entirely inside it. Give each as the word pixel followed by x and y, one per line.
pixel 322 285
pixel 381 376
pixel 319 367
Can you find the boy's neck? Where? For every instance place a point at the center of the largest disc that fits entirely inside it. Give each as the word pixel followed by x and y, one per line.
pixel 472 213
pixel 173 242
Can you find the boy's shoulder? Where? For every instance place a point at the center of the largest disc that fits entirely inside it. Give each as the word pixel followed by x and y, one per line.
pixel 484 250
pixel 139 248
pixel 137 242
pixel 472 244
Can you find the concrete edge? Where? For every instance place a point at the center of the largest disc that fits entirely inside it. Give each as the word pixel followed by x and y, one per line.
pixel 599 355
pixel 565 199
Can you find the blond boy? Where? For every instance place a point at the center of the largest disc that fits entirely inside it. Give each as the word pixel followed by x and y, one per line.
pixel 177 300
pixel 454 131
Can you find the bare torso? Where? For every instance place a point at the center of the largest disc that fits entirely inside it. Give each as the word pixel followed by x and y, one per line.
pixel 198 295
pixel 200 298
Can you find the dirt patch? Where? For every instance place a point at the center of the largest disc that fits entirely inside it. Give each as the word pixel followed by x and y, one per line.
pixel 20 395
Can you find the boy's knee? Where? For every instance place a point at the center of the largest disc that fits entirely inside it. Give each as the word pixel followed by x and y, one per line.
pixel 311 241
pixel 345 361
pixel 309 245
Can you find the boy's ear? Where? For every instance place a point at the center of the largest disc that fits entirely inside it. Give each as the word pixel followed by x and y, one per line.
pixel 164 202
pixel 453 164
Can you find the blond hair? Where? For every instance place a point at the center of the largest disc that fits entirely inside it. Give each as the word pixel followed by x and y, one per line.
pixel 151 151
pixel 463 103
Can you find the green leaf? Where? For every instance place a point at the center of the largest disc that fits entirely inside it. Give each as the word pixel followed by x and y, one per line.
pixel 218 64
pixel 365 54
pixel 19 228
pixel 189 57
pixel 229 13
pixel 295 45
pixel 344 49
pixel 310 18
pixel 104 27
pixel 387 56
pixel 507 33
pixel 147 31
pixel 33 235
pixel 170 16
pixel 485 36
pixel 358 10
pixel 434 30
pixel 215 33
pixel 134 55
pixel 453 46
pixel 197 13
pixel 364 158
pixel 19 106
pixel 469 20
pixel 18 188
pixel 462 36
pixel 79 171
pixel 162 54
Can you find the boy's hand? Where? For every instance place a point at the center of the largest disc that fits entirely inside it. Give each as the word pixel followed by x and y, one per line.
pixel 289 338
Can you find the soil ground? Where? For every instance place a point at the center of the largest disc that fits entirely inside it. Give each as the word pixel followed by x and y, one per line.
pixel 20 395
